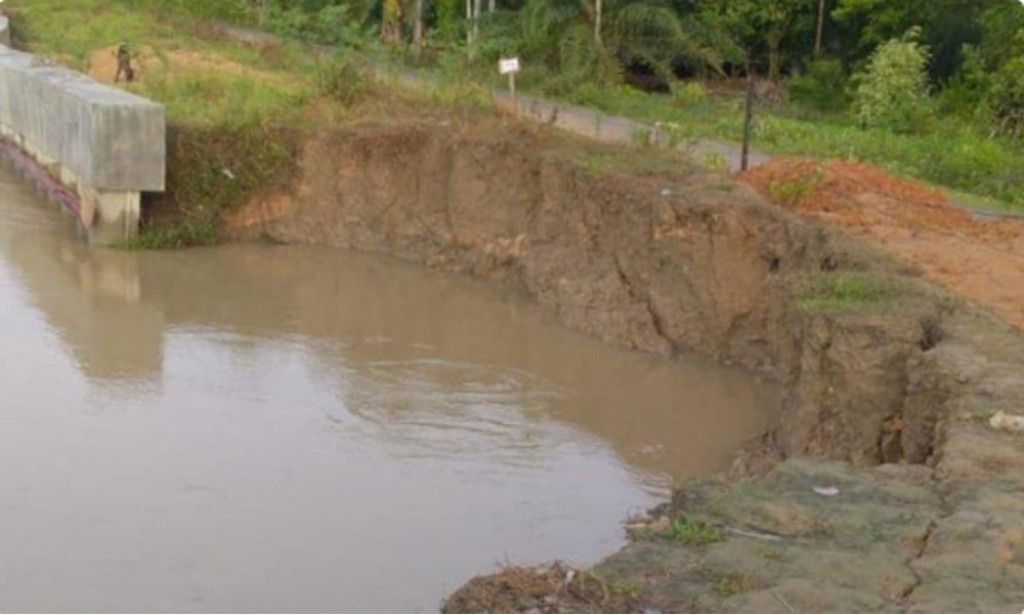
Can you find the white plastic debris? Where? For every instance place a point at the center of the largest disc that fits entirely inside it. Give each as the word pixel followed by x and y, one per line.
pixel 1007 422
pixel 828 492
pixel 228 174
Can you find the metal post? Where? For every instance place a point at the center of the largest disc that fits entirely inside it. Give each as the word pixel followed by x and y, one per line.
pixel 515 98
pixel 748 120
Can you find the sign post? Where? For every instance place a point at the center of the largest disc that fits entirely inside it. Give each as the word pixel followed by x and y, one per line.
pixel 510 67
pixel 748 120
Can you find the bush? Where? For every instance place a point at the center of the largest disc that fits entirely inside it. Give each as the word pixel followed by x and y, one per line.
pixel 331 25
pixel 823 87
pixel 1006 97
pixel 342 80
pixel 210 170
pixel 893 91
pixel 689 94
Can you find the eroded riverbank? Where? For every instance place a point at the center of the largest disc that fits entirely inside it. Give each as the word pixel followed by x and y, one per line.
pixel 264 427
pixel 880 370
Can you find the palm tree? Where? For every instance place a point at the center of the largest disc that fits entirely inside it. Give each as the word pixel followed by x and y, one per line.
pixel 573 35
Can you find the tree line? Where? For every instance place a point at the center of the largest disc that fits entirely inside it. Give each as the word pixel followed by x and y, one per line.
pixel 969 53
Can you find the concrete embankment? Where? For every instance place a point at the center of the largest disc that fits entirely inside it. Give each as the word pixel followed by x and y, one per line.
pixel 105 145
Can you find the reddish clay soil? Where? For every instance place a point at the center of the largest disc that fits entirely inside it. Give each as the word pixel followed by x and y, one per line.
pixel 981 260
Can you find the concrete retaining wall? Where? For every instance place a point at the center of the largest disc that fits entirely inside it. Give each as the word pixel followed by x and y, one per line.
pixel 106 144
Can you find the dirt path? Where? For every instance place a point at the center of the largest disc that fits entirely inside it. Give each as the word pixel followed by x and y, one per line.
pixel 981 259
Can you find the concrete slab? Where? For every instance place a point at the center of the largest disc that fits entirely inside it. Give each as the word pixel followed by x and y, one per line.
pixel 110 139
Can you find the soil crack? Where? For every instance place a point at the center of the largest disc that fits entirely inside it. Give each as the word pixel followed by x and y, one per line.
pixel 923 542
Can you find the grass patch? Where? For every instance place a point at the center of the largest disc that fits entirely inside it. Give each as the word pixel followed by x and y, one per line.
pixel 180 234
pixel 844 292
pixel 238 84
pixel 693 532
pixel 211 170
pixel 727 586
pixel 791 192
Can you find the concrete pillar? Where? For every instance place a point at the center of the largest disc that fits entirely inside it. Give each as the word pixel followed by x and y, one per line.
pixel 110 216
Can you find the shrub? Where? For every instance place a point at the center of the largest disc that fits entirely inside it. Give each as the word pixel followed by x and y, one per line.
pixel 689 94
pixel 342 80
pixel 1006 97
pixel 823 87
pixel 693 532
pixel 893 91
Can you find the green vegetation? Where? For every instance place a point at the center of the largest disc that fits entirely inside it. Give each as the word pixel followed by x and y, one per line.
pixel 790 192
pixel 233 110
pixel 693 532
pixel 845 292
pixel 925 88
pixel 893 91
pixel 728 586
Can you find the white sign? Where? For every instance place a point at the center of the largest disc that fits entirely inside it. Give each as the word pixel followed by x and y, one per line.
pixel 510 65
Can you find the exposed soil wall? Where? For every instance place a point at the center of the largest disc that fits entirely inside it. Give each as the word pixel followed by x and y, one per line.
pixel 683 262
pixel 879 367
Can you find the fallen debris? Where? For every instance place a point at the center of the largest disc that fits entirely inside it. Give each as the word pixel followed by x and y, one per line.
pixel 1012 423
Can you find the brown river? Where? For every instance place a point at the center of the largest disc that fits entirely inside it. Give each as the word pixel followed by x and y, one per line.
pixel 256 428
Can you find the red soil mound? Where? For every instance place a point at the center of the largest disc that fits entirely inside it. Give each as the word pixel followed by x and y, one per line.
pixel 983 260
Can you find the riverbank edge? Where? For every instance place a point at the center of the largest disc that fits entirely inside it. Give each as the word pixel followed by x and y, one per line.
pixel 887 397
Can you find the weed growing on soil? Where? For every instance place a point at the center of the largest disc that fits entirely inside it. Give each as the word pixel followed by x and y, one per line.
pixel 186 233
pixel 713 161
pixel 844 292
pixel 342 80
pixel 792 191
pixel 632 591
pixel 211 170
pixel 727 586
pixel 693 532
pixel 643 137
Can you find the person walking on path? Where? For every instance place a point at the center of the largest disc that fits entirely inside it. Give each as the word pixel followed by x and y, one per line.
pixel 124 64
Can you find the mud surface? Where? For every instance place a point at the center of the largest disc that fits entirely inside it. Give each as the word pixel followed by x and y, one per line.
pixel 271 428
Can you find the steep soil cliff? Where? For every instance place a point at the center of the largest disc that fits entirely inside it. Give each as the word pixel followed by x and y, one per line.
pixel 672 261
pixel 654 254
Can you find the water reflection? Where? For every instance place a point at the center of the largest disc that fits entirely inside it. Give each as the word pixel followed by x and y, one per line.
pixel 268 428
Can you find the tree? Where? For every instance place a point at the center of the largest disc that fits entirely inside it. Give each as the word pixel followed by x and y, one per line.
pixel 763 22
pixel 820 30
pixel 595 39
pixel 893 91
pixel 391 22
pixel 945 26
pixel 417 29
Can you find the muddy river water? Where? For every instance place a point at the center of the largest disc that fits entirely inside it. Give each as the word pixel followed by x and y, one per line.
pixel 268 428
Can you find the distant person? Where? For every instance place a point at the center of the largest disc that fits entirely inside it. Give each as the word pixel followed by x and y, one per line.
pixel 124 64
